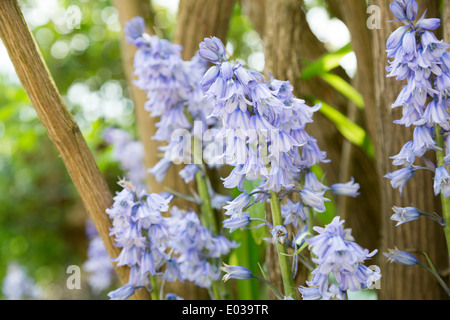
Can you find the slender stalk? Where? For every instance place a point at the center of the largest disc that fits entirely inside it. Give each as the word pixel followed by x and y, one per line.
pixel 209 220
pixel 275 291
pixel 440 155
pixel 208 215
pixel 218 289
pixel 155 292
pixel 285 265
pixel 437 276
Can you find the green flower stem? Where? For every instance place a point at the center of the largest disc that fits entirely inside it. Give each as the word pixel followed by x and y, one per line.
pixel 275 291
pixel 285 265
pixel 435 273
pixel 207 210
pixel 218 289
pixel 155 292
pixel 440 155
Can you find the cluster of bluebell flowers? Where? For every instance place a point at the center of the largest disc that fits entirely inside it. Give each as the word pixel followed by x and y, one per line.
pixel 264 126
pixel 174 95
pixel 260 130
pixel 421 59
pixel 337 254
pixel 418 57
pixel 176 247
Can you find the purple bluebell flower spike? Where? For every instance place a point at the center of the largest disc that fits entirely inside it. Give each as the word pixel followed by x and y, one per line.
pixel 336 252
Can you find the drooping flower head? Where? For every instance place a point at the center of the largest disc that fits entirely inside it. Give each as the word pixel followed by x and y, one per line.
pixel 141 232
pixel 421 60
pixel 338 254
pixel 263 124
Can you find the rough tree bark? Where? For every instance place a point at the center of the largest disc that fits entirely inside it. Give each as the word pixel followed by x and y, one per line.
pixel 60 124
pixel 398 281
pixel 198 19
pixel 363 214
pixel 446 22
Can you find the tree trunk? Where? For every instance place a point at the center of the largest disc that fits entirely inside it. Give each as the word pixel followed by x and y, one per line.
pixel 398 281
pixel 282 45
pixel 129 9
pixel 198 19
pixel 354 162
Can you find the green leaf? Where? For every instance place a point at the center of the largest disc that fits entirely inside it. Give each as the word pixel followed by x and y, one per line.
pixel 350 130
pixel 304 245
pixel 326 63
pixel 345 88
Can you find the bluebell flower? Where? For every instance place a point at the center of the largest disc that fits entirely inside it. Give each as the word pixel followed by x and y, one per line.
pixel 194 247
pixel 406 156
pixel 336 252
pixel 403 215
pixel 442 182
pixel 238 204
pixel 236 272
pixel 237 221
pixel 134 29
pixel 147 264
pixel 423 141
pixel 188 173
pixel 172 272
pixel 316 200
pixel 140 231
pixel 213 50
pixel 173 296
pixel 295 213
pixel 401 257
pixel 234 179
pixel 428 24
pixel 399 8
pixel 400 177
pixel 279 234
pixel 447 150
pixel 174 89
pixel 310 293
pixel 421 59
pixel 312 183
pixel 160 170
pixel 334 293
pixel 346 189
pixel 264 120
pixel 122 293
